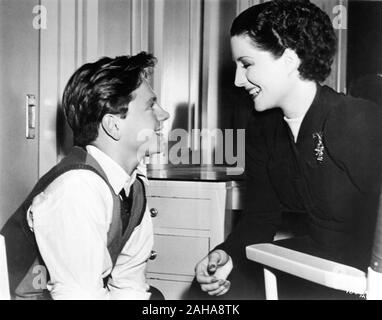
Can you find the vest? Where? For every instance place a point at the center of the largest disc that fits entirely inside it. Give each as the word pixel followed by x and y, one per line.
pixel 27 272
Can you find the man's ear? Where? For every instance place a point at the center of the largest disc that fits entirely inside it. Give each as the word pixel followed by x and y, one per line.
pixel 292 60
pixel 110 124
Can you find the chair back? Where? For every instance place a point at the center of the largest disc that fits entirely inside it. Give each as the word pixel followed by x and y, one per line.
pixel 4 282
pixel 374 284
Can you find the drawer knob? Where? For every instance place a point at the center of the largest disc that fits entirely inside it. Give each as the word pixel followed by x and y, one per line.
pixel 153 255
pixel 153 212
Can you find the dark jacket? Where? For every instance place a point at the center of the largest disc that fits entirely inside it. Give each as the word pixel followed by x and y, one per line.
pixel 331 175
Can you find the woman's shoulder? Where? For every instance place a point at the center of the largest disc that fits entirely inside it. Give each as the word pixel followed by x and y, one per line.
pixel 348 114
pixel 353 126
pixel 353 138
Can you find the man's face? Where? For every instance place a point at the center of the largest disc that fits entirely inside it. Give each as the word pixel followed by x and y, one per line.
pixel 140 130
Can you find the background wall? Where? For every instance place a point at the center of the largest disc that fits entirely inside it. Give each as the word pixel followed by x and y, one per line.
pixel 364 40
pixel 193 78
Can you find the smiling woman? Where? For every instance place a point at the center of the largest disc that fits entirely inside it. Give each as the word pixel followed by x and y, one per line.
pixel 278 61
pixel 300 159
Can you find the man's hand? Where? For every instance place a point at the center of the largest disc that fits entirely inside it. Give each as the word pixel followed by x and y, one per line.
pixel 212 272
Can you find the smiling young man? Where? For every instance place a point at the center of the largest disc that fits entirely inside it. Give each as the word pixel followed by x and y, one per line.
pixel 86 222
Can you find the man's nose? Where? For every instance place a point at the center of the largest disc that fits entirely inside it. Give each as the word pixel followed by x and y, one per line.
pixel 162 115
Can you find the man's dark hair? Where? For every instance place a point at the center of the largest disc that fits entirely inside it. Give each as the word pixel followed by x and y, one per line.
pixel 102 87
pixel 296 24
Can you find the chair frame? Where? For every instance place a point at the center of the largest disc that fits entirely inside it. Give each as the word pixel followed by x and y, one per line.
pixel 4 282
pixel 324 272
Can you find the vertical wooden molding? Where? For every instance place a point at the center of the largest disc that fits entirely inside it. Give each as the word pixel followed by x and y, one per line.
pixel 49 93
pixel 342 53
pixel 205 74
pixel 139 26
pixel 158 46
pixel 90 51
pixel 133 21
pixel 195 35
pixel 156 13
pixel 68 43
pixel 69 61
pixel 136 19
pixel 79 33
pixel 102 21
pixel 211 62
pixel 145 25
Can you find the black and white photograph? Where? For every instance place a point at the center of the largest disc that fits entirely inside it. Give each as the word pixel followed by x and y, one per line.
pixel 205 152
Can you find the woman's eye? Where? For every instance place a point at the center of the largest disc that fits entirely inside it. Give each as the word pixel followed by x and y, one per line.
pixel 246 65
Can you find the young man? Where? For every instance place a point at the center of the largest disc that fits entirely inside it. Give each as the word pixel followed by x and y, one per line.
pixel 86 220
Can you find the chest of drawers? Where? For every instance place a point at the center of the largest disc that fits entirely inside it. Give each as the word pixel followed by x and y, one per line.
pixel 190 218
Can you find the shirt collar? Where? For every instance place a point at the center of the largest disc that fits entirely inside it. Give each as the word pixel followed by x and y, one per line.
pixel 142 172
pixel 117 176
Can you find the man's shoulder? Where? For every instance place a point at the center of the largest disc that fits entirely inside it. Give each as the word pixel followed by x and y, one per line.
pixel 76 192
pixel 76 183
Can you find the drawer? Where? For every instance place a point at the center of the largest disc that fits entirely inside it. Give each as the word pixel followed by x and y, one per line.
pixel 177 254
pixel 172 290
pixel 180 213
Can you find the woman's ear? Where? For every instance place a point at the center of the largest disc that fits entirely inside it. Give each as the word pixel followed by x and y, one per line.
pixel 110 124
pixel 292 60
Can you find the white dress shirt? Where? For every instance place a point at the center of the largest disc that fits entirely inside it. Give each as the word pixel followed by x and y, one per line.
pixel 71 219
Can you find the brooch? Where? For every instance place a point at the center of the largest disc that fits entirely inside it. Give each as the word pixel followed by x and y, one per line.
pixel 319 149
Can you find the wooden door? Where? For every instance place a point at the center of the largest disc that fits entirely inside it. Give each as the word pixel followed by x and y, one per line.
pixel 19 76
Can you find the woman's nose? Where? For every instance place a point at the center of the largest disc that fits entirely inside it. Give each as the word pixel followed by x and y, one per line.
pixel 240 78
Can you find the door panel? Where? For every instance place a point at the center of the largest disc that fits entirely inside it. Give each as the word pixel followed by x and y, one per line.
pixel 19 57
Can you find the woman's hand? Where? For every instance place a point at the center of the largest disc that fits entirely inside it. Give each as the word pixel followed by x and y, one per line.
pixel 212 272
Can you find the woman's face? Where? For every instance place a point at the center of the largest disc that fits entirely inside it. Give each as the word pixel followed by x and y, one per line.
pixel 266 79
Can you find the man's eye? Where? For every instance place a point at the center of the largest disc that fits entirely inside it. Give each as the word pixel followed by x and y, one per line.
pixel 246 65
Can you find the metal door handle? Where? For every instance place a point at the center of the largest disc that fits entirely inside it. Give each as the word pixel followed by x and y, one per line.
pixel 30 116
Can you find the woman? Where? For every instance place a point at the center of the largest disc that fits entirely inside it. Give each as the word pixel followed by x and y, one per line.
pixel 310 150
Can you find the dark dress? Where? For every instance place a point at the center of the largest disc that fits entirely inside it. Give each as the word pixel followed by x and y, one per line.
pixel 330 178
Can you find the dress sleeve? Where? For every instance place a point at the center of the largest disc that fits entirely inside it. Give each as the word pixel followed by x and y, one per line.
pixel 262 214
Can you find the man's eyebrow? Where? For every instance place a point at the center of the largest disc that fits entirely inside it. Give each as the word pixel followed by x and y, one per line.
pixel 152 100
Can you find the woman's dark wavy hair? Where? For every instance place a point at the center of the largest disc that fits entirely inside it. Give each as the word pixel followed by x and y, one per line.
pixel 295 24
pixel 102 87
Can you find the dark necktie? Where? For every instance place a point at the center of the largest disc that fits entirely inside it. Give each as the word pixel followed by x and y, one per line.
pixel 125 208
